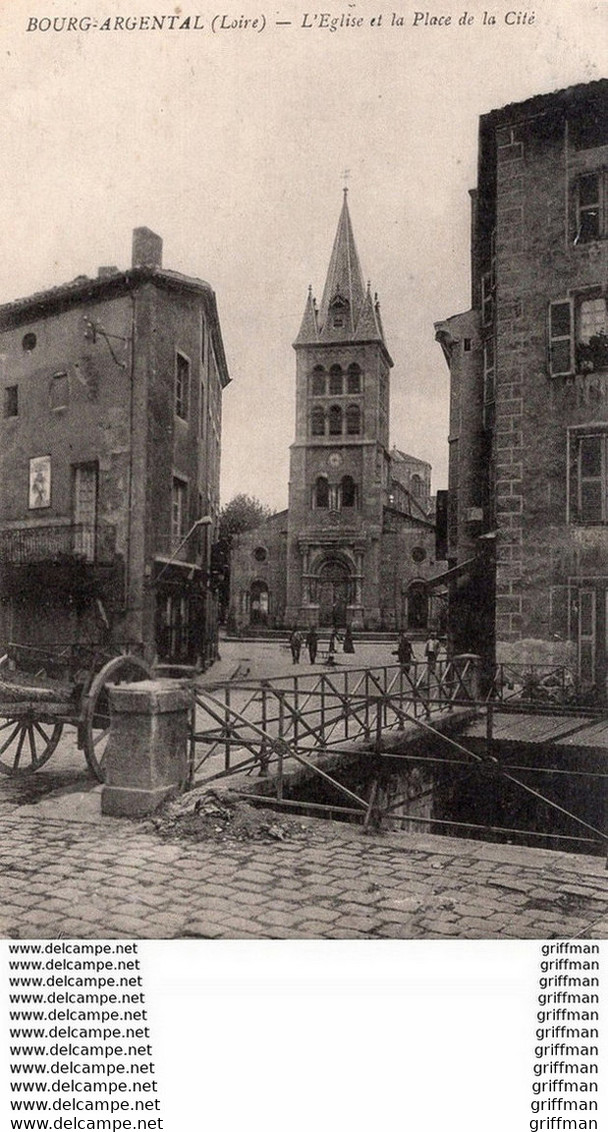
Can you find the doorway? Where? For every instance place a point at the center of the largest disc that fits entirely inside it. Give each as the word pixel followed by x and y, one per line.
pixel 334 586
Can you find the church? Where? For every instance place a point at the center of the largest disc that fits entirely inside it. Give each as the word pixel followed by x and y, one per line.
pixel 357 542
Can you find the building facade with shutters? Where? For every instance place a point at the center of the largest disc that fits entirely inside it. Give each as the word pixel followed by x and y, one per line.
pixel 358 540
pixel 528 502
pixel 110 453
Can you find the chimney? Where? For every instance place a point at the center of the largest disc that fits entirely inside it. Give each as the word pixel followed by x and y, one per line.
pixel 147 248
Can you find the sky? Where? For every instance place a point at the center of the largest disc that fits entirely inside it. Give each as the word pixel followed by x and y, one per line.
pixel 232 143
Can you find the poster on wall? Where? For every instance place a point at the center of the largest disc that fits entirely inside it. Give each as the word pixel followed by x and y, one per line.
pixel 40 483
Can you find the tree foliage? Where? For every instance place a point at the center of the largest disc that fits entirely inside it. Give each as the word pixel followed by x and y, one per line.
pixel 242 513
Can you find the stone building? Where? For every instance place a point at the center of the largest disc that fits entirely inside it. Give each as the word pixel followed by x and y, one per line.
pixel 109 455
pixel 357 542
pixel 528 480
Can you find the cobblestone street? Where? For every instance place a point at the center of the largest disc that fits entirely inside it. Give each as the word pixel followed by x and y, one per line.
pixel 81 879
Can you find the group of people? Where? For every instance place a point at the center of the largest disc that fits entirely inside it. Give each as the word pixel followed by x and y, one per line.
pixel 311 642
pixel 405 651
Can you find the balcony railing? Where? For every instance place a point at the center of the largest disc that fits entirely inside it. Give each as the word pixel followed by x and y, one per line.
pixel 94 543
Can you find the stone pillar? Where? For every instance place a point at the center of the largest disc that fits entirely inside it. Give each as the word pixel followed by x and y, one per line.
pixel 147 753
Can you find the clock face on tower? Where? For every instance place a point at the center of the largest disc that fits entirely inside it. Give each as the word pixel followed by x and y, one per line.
pixel 335 460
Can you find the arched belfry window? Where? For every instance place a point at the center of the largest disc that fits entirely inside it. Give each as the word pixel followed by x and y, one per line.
pixel 348 492
pixel 353 420
pixel 336 381
pixel 318 381
pixel 353 382
pixel 416 486
pixel 317 422
pixel 321 492
pixel 335 421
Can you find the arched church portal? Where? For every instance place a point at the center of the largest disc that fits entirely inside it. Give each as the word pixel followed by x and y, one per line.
pixel 258 603
pixel 334 587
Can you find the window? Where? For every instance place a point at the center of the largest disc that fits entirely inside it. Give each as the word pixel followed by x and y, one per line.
pixel 84 508
pixel 592 336
pixel 588 461
pixel 29 341
pixel 59 391
pixel 321 493
pixel 260 554
pixel 11 401
pixel 348 492
pixel 318 381
pixel 578 335
pixel 560 338
pixel 179 499
pixel 335 381
pixel 335 421
pixel 317 422
pixel 416 485
pixel 487 299
pixel 590 207
pixel 354 379
pixel 353 420
pixel 182 386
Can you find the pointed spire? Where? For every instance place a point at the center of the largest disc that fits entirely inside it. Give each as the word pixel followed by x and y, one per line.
pixel 309 330
pixel 344 293
pixel 368 326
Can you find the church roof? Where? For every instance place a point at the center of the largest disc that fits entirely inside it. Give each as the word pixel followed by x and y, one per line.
pixel 344 276
pixel 347 312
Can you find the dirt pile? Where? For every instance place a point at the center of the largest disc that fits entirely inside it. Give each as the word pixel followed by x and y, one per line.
pixel 206 815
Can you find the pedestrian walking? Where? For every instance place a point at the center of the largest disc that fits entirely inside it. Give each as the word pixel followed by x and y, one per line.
pixel 404 652
pixel 349 644
pixel 312 644
pixel 295 644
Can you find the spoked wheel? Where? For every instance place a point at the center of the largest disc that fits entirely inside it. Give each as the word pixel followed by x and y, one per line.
pixel 26 744
pixel 96 707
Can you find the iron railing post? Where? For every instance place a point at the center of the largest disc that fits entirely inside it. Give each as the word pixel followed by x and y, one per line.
pixel 227 729
pixel 280 746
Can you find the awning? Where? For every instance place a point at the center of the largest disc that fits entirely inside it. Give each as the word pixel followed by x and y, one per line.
pixel 453 573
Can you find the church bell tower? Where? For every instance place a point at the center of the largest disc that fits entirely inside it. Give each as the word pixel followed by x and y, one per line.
pixel 339 464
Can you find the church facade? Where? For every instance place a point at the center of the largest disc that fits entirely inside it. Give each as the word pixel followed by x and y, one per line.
pixel 357 543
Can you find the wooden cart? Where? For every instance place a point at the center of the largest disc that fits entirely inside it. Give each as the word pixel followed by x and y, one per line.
pixel 42 690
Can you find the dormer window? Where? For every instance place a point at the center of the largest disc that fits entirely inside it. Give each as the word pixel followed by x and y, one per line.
pixel 338 311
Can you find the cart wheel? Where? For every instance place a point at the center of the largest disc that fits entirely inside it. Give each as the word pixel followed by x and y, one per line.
pixel 96 706
pixel 26 744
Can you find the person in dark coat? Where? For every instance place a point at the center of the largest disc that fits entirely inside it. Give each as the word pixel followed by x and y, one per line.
pixel 295 644
pixel 405 652
pixel 312 643
pixel 349 644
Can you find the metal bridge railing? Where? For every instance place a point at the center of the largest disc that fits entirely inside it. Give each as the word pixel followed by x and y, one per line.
pixel 249 727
